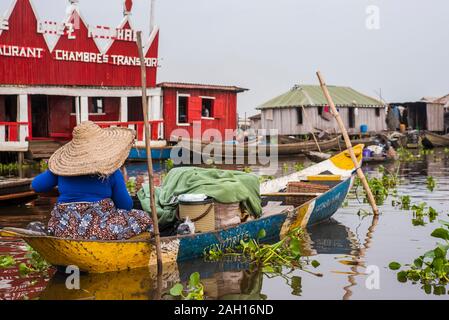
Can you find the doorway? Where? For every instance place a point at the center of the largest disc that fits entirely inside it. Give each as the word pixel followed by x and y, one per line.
pixel 10 109
pixel 39 116
pixel 135 112
pixel 351 117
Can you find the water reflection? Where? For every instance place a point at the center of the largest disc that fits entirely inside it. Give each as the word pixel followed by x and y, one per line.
pixel 231 279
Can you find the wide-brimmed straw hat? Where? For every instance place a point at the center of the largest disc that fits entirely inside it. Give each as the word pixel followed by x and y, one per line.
pixel 93 150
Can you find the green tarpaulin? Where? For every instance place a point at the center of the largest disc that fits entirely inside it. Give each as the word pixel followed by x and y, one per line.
pixel 224 186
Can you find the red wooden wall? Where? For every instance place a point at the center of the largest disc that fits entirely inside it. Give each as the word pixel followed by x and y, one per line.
pixel 49 71
pixel 225 110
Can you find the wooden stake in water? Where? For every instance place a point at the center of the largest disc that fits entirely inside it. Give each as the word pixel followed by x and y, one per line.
pixel 311 131
pixel 348 144
pixel 148 149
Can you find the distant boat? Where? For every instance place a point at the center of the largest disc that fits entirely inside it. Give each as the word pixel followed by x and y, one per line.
pixel 159 151
pixel 432 140
pixel 221 150
pixel 377 159
pixel 16 191
pixel 278 218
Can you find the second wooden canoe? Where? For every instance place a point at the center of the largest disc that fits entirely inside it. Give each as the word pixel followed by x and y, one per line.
pixel 433 140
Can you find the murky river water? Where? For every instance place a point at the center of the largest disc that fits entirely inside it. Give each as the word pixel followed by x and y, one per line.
pixel 347 247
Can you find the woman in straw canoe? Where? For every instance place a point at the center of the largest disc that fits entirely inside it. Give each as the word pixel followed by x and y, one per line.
pixel 94 202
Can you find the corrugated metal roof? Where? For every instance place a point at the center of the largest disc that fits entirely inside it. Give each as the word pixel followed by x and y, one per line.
pixel 443 100
pixel 429 99
pixel 256 117
pixel 182 85
pixel 312 96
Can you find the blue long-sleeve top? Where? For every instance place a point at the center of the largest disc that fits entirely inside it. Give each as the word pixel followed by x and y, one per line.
pixel 85 188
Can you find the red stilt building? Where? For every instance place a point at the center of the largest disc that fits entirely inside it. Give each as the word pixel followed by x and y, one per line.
pixel 47 88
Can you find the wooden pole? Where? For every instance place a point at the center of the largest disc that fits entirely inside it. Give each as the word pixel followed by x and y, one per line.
pixel 348 144
pixel 313 133
pixel 143 70
pixel 152 6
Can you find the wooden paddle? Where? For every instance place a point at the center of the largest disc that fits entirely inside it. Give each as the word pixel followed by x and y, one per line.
pixel 143 70
pixel 348 144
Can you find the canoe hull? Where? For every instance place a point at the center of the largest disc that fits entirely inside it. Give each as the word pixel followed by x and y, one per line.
pixel 223 151
pixel 432 140
pixel 140 154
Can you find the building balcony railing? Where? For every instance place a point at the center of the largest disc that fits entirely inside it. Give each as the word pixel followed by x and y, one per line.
pixel 13 136
pixel 156 128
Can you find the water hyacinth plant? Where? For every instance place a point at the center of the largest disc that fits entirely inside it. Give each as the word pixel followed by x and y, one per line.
pixel 193 291
pixel 35 264
pixel 270 258
pixel 431 183
pixel 299 166
pixel 432 268
pixel 6 262
pixel 420 211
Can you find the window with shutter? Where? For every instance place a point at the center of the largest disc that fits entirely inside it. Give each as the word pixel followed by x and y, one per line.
pixel 207 107
pixel 219 109
pixel 182 109
pixel 194 109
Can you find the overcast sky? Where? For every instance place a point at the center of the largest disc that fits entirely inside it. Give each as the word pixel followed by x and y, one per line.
pixel 268 46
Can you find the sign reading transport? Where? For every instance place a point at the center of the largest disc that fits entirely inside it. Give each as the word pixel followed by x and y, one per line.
pixel 91 57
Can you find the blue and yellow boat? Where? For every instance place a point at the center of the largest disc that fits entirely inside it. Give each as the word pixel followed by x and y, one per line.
pixel 337 173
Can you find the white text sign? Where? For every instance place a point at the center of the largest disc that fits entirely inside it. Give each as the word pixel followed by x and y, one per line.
pixel 4 24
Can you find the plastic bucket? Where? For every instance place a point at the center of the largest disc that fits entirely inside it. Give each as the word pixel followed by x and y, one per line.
pixel 367 153
pixel 201 213
pixel 363 128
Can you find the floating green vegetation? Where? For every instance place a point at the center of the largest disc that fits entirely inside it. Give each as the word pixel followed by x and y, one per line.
pixel 426 152
pixel 193 291
pixel 405 155
pixel 6 262
pixel 432 268
pixel 405 202
pixel 43 165
pixel 270 258
pixel 446 150
pixel 131 185
pixel 379 190
pixel 431 183
pixel 380 187
pixel 35 263
pixel 299 166
pixel 169 164
pixel 13 167
pixel 263 179
pixel 247 169
pixel 420 211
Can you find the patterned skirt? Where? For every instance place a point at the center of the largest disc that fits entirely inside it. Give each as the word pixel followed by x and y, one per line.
pixel 97 221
